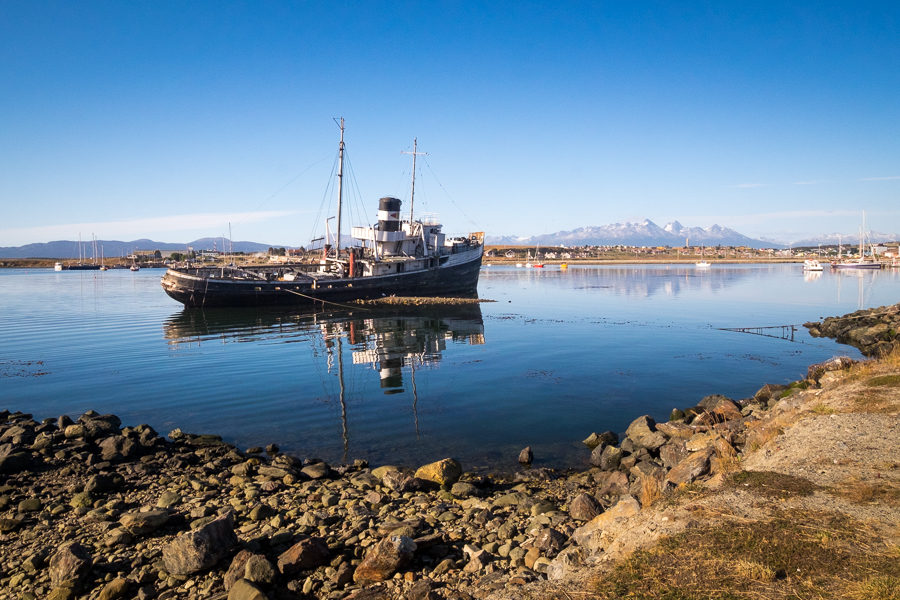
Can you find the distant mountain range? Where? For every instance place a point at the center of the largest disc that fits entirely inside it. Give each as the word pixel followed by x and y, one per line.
pixel 645 233
pixel 833 239
pixel 111 248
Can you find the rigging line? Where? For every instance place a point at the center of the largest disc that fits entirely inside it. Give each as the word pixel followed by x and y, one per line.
pixel 325 301
pixel 356 207
pixel 458 207
pixel 325 196
pixel 283 187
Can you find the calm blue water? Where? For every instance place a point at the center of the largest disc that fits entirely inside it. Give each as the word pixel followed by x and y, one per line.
pixel 558 355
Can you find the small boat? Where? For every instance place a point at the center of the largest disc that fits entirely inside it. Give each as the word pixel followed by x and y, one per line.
pixel 563 266
pixel 702 264
pixel 58 266
pixel 403 257
pixel 812 265
pixel 536 264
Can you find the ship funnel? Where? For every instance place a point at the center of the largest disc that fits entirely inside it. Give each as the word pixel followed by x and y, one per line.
pixel 389 214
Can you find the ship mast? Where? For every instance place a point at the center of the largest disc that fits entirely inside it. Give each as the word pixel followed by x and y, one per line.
pixel 412 193
pixel 337 247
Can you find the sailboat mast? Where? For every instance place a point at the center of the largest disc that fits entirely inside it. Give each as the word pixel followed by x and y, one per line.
pixel 337 248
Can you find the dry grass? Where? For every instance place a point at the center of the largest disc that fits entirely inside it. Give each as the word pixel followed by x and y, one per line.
pixel 821 409
pixel 876 491
pixel 796 554
pixel 871 368
pixel 761 433
pixel 877 400
pixel 772 484
pixel 651 490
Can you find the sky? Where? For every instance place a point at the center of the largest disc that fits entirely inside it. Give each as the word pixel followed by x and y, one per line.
pixel 179 120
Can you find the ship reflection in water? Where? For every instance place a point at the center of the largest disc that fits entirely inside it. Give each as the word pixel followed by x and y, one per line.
pixel 393 342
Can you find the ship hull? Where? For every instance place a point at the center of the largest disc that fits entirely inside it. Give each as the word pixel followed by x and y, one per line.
pixel 201 288
pixel 864 265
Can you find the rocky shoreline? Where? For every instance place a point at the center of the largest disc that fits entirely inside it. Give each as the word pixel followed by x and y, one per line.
pixel 91 509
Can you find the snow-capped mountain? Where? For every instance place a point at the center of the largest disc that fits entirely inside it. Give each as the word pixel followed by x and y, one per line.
pixel 643 233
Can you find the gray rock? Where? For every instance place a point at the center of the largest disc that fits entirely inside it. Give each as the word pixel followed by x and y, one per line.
pixel 463 489
pixel 610 458
pixel 69 565
pixel 584 507
pixel 384 559
pixel 643 434
pixel 29 505
pixel 597 454
pixel 13 461
pixel 306 554
pixel 117 588
pixel 259 570
pixel 104 482
pixel 403 482
pixel 246 590
pixel 695 465
pixel 526 456
pixel 118 448
pixel 202 548
pixel 168 499
pixel 141 523
pixel 672 453
pixel 549 541
pixel 273 472
pixel 318 470
pixel 567 563
pixel 236 569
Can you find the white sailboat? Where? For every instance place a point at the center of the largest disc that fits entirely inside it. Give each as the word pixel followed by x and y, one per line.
pixel 860 262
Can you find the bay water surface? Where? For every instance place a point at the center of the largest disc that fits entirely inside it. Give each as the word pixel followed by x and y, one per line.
pixel 557 355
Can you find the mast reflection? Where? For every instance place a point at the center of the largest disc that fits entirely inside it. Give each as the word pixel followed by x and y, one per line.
pixel 395 342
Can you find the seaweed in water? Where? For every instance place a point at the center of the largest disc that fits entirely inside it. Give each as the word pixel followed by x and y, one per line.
pixel 22 368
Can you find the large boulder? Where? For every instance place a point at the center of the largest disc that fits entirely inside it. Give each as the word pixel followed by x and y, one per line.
pixel 143 522
pixel 69 565
pixel 643 433
pixel 692 467
pixel 384 559
pixel 202 548
pixel 606 438
pixel 584 507
pixel 815 372
pixel 96 425
pixel 306 554
pixel 588 534
pixel 444 472
pixel 118 447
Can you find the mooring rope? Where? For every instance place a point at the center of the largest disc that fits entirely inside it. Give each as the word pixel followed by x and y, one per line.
pixel 324 301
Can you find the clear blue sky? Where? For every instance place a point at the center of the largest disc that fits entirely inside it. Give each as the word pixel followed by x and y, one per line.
pixel 170 120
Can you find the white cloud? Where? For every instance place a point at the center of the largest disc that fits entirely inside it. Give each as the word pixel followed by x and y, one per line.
pixel 214 223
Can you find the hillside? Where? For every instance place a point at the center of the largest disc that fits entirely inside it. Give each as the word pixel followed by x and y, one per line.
pixel 71 249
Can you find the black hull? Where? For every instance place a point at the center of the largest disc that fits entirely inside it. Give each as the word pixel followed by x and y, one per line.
pixel 207 291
